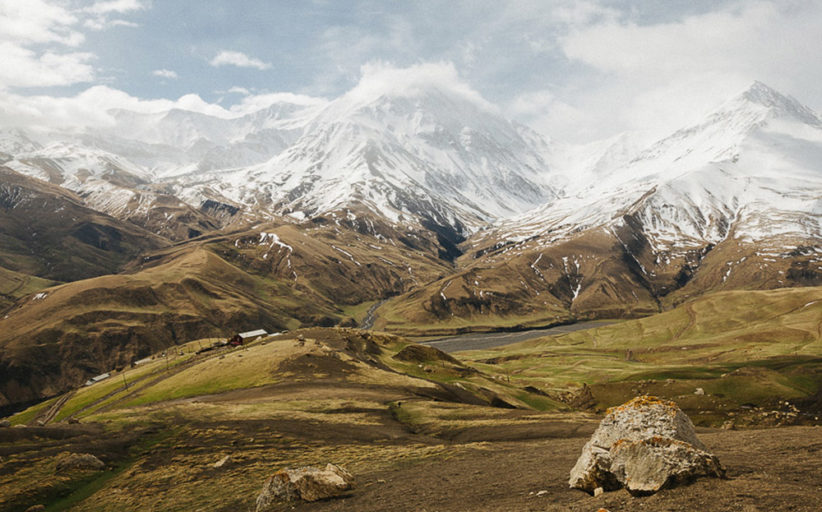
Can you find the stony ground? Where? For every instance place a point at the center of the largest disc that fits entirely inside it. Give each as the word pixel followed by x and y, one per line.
pixel 482 469
pixel 768 470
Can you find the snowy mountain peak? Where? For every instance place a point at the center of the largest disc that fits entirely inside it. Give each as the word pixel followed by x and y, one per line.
pixel 770 104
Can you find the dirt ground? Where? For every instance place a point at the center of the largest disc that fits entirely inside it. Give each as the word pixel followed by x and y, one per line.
pixel 768 470
pixel 477 469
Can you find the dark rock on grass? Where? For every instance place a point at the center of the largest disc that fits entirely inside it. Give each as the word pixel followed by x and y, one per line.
pixel 307 484
pixel 644 445
pixel 78 461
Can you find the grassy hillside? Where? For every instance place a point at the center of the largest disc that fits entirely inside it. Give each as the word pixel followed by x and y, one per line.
pixel 68 333
pixel 14 285
pixel 359 398
pixel 595 274
pixel 274 277
pixel 388 409
pixel 745 349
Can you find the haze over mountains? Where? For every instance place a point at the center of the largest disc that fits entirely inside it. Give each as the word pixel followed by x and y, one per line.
pixel 421 193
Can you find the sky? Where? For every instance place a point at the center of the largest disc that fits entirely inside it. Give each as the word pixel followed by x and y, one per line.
pixel 575 70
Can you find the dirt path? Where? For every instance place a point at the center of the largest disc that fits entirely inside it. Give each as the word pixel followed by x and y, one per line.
pixel 481 341
pixel 53 410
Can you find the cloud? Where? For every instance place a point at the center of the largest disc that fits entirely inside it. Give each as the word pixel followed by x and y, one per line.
pixel 239 59
pixel 659 76
pixel 165 73
pixel 91 108
pixel 115 6
pixel 100 11
pixel 39 39
pixel 253 103
pixel 44 70
pixel 380 78
pixel 36 22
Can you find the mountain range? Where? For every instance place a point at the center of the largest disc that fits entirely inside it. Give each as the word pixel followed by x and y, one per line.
pixel 420 203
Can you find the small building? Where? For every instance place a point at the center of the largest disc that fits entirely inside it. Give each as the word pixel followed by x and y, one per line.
pixel 245 337
pixel 98 378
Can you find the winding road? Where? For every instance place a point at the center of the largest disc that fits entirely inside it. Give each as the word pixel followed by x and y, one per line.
pixel 482 341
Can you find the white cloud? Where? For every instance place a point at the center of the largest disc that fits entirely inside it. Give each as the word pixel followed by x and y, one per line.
pixel 43 70
pixel 380 78
pixel 37 21
pixel 90 108
pixel 165 73
pixel 253 103
pixel 238 90
pixel 660 76
pixel 36 34
pixel 115 6
pixel 239 59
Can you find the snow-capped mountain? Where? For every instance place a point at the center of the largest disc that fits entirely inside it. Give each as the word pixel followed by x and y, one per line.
pixel 430 153
pixel 751 171
pixel 427 153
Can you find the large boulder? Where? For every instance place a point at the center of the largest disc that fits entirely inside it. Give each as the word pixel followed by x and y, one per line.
pixel 644 445
pixel 306 483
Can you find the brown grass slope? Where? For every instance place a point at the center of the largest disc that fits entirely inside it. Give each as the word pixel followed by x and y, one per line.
pixel 86 327
pixel 595 274
pixel 276 276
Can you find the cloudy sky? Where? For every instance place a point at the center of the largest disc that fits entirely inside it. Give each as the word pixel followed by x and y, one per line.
pixel 576 70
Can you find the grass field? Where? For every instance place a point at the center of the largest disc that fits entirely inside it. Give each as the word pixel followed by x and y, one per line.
pixel 740 347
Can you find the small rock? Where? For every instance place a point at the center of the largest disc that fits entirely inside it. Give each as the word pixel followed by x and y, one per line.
pixel 36 508
pixel 307 483
pixel 729 425
pixel 73 421
pixel 699 391
pixel 5 423
pixel 71 461
pixel 541 493
pixel 598 491
pixel 222 462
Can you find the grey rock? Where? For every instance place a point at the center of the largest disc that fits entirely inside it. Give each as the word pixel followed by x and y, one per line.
pixel 647 466
pixel 307 483
pixel 78 461
pixel 5 423
pixel 643 445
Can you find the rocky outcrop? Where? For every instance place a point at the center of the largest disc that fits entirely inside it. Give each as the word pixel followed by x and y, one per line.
pixel 644 445
pixel 78 461
pixel 307 483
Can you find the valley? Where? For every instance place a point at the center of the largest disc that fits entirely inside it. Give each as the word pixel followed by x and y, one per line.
pixel 403 416
pixel 448 291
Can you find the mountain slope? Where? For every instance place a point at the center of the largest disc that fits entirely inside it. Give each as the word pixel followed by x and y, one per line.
pixel 734 202
pixel 427 153
pixel 46 231
pixel 274 276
